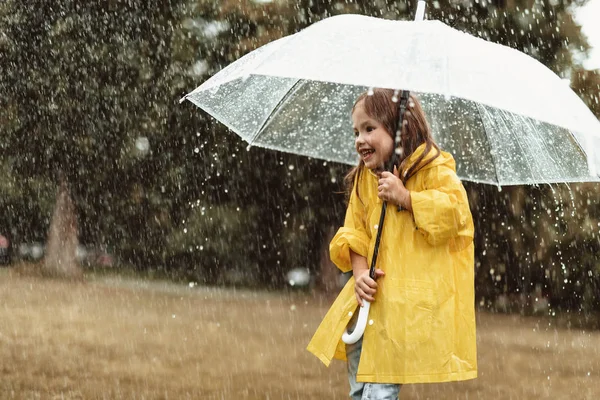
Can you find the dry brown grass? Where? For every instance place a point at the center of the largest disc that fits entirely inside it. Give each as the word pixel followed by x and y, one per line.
pixel 130 339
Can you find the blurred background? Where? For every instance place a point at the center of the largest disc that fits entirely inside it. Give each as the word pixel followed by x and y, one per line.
pixel 103 169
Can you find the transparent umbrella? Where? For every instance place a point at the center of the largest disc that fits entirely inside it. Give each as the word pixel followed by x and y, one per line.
pixel 505 117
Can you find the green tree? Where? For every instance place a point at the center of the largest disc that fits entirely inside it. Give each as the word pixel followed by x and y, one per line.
pixel 82 83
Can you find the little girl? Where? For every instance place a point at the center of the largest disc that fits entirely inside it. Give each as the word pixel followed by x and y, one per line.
pixel 421 327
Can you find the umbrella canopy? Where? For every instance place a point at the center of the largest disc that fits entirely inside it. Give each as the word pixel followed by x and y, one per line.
pixel 505 117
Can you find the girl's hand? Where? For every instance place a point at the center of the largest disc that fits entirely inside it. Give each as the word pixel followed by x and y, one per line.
pixel 391 189
pixel 365 287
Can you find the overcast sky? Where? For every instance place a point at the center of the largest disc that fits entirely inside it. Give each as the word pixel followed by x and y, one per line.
pixel 589 19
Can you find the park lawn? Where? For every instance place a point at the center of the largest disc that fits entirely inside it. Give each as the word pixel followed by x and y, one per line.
pixel 128 338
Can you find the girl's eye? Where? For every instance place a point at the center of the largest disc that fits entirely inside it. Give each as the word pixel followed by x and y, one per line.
pixel 355 133
pixel 370 128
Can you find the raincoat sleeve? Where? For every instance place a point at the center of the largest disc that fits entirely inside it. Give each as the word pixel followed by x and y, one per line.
pixel 353 235
pixel 441 212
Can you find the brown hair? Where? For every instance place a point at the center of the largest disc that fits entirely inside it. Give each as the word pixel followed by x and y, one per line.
pixel 380 106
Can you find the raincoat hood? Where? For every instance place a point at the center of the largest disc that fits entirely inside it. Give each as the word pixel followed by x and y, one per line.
pixel 442 158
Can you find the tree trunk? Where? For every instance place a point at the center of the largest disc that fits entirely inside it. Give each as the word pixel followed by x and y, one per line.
pixel 61 249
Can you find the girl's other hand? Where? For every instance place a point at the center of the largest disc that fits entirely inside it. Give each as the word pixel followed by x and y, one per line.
pixel 391 189
pixel 365 287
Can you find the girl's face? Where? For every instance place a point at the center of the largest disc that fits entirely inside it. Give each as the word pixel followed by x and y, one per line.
pixel 373 142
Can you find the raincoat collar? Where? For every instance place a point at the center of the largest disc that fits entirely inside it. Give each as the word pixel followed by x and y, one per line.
pixel 443 159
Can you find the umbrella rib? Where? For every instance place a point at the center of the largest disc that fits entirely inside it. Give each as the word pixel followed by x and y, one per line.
pixel 489 143
pixel 532 171
pixel 287 94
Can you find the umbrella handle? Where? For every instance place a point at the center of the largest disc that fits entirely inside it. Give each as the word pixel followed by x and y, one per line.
pixel 361 324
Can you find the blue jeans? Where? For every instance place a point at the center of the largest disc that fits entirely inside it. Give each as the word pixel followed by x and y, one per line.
pixel 362 390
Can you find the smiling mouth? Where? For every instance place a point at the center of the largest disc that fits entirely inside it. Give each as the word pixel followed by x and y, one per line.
pixel 366 153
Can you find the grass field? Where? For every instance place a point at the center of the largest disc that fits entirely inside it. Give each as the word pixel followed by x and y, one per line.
pixel 113 338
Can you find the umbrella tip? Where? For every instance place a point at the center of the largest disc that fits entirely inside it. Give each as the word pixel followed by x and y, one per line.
pixel 184 98
pixel 420 14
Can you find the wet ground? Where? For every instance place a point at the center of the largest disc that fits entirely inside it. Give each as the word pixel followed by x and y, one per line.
pixel 111 338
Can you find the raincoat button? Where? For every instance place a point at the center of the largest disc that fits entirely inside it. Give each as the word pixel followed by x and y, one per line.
pixel 370 322
pixel 376 226
pixel 350 314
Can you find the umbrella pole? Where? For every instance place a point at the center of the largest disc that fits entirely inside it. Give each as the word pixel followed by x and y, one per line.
pixel 390 167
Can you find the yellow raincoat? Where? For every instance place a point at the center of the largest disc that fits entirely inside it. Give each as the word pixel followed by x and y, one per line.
pixel 422 324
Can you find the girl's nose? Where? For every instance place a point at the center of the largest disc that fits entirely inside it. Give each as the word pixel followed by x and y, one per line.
pixel 359 139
